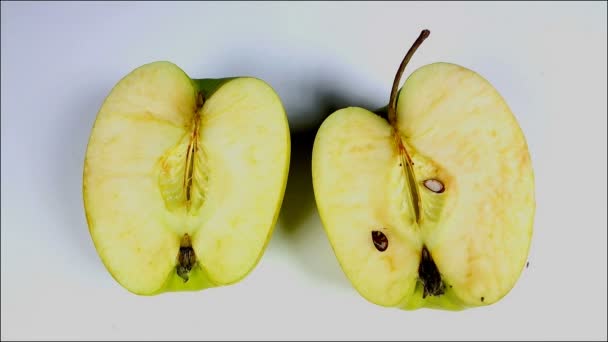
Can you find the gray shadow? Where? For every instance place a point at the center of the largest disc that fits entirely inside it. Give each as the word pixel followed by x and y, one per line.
pixel 301 226
pixel 299 202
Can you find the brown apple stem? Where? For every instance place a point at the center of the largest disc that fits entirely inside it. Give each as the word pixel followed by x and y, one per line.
pixel 392 104
pixel 406 160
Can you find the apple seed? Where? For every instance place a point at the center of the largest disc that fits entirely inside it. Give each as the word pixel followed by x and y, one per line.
pixel 380 240
pixel 434 185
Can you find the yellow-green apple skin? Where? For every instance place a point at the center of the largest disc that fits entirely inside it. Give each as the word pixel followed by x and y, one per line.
pixel 173 162
pixel 460 131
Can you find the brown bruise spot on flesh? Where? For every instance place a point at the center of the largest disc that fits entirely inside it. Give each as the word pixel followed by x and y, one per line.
pixel 429 275
pixel 186 259
pixel 380 240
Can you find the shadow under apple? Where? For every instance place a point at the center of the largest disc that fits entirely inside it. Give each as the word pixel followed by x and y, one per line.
pixel 299 220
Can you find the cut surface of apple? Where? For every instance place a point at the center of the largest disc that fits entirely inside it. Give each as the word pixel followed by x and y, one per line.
pixel 433 207
pixel 183 179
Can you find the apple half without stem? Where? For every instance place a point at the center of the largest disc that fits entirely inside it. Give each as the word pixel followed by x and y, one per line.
pixel 183 179
pixel 433 207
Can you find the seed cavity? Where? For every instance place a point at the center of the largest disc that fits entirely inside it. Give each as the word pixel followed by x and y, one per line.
pixel 380 240
pixel 434 185
pixel 186 259
pixel 183 171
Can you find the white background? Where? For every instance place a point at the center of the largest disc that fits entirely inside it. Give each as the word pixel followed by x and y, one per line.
pixel 59 61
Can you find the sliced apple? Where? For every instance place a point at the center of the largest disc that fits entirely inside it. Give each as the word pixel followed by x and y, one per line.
pixel 433 206
pixel 183 179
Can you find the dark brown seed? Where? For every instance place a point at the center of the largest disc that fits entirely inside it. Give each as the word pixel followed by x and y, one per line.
pixel 434 185
pixel 380 240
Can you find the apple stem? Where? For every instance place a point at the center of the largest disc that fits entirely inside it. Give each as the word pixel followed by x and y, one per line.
pixel 406 160
pixel 392 104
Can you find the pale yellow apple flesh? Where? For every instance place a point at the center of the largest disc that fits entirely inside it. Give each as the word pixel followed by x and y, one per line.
pixel 461 136
pixel 167 167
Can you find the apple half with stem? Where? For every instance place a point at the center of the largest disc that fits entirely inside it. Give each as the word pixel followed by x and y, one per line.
pixel 183 179
pixel 432 206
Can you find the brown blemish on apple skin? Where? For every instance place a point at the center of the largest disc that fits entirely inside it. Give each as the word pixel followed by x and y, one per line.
pixel 524 160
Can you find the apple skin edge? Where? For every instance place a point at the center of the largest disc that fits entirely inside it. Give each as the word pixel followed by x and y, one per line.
pixel 448 301
pixel 381 112
pixel 208 86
